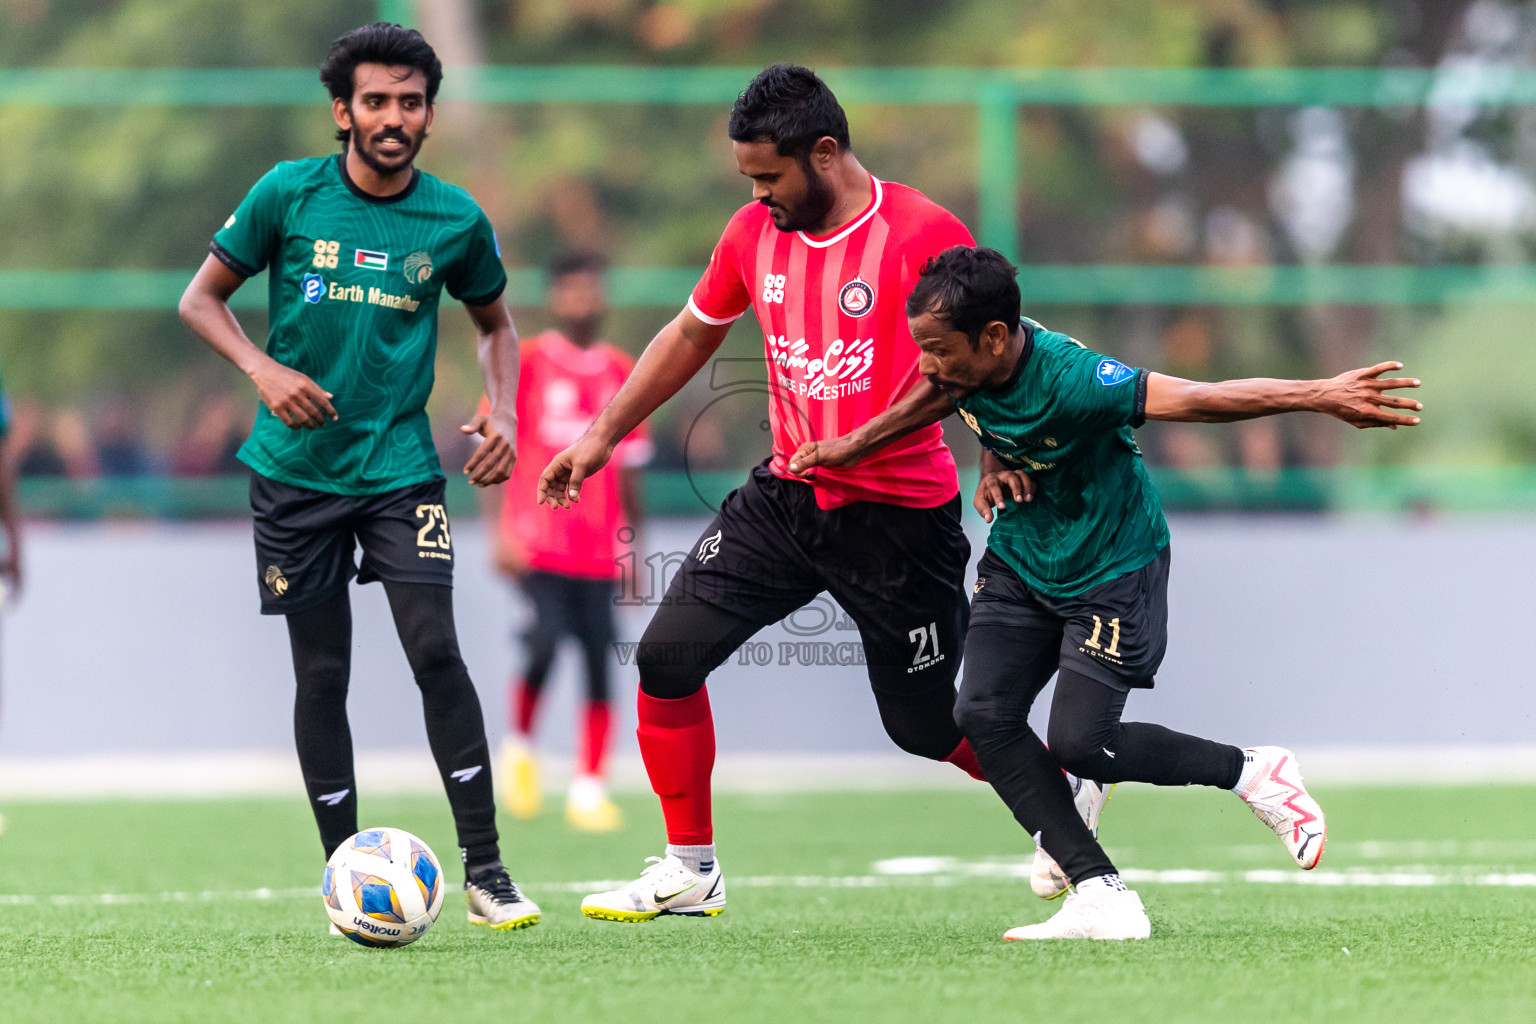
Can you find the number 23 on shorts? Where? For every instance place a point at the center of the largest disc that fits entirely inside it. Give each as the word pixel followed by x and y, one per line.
pixel 436 519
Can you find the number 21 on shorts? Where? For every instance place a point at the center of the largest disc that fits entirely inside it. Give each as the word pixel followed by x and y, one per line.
pixel 927 640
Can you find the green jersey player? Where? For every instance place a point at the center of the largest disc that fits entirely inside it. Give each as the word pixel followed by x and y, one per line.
pixel 1074 580
pixel 359 247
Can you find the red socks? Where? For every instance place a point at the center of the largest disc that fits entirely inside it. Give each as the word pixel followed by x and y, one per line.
pixel 525 704
pixel 596 725
pixel 677 743
pixel 964 758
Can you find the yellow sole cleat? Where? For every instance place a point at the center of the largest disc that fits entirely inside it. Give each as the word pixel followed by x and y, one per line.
pixel 507 926
pixel 640 917
pixel 601 817
pixel 521 794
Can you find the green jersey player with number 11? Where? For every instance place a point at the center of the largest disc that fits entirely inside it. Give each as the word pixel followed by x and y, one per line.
pixel 1074 582
pixel 359 247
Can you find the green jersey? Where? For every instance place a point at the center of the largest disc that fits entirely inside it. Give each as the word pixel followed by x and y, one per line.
pixel 353 295
pixel 1065 418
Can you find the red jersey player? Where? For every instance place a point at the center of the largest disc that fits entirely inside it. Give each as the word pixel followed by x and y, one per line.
pixel 825 255
pixel 567 564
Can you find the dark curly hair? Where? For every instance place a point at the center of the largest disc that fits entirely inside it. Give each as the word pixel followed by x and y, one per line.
pixel 382 42
pixel 790 107
pixel 967 288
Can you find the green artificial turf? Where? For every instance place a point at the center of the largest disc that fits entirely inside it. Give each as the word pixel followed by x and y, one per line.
pixel 844 944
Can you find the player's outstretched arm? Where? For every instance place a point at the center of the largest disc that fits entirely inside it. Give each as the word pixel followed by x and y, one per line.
pixel 497 350
pixel 678 351
pixel 920 407
pixel 293 398
pixel 1357 397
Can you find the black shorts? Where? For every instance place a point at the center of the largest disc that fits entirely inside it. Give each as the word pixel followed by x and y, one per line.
pixel 898 572
pixel 570 606
pixel 1116 633
pixel 305 540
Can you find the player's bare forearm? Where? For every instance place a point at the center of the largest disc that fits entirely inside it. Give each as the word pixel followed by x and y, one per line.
pixel 497 352
pixel 204 307
pixel 678 351
pixel 1358 397
pixel 293 398
pixel 922 406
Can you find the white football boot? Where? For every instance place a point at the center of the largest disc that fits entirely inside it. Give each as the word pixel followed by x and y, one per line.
pixel 668 886
pixel 495 900
pixel 1099 914
pixel 1045 878
pixel 1278 797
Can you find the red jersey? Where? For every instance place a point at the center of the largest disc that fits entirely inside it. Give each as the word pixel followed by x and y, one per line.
pixel 835 335
pixel 560 391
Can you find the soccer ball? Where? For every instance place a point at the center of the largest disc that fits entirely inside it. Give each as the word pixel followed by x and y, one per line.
pixel 383 887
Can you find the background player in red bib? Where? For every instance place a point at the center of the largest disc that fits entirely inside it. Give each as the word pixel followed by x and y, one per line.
pixel 825 255
pixel 567 564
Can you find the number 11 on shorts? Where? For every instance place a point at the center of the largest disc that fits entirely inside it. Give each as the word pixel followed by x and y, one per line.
pixel 1113 650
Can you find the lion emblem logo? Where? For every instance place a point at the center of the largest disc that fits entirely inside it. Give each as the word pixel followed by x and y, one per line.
pixel 276 581
pixel 418 268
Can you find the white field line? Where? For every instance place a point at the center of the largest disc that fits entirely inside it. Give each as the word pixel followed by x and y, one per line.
pixel 268 773
pixel 1136 876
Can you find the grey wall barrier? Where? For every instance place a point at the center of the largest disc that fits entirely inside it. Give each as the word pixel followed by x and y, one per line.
pixel 1309 631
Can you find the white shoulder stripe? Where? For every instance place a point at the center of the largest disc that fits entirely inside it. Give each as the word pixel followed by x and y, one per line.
pixel 851 228
pixel 717 321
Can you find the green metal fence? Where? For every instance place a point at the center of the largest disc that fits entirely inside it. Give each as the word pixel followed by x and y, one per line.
pixel 994 98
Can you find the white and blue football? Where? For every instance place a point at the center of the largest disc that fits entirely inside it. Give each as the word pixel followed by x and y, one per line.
pixel 383 888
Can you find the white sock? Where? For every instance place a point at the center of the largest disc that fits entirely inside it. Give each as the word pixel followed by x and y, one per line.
pixel 1250 769
pixel 1102 883
pixel 698 859
pixel 586 791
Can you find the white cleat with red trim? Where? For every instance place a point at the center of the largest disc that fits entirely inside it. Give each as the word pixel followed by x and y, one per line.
pixel 1273 789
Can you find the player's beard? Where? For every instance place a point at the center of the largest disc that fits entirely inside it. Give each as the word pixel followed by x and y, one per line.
pixel 394 165
pixel 810 211
pixel 953 390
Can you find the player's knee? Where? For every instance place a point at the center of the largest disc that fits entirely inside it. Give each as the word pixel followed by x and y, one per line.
pixel 924 726
pixel 1077 752
pixel 974 718
pixel 435 658
pixel 321 677
pixel 667 678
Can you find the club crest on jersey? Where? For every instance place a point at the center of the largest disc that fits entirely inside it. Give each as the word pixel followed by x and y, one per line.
pixel 418 267
pixel 314 287
pixel 856 298
pixel 370 260
pixel 1112 371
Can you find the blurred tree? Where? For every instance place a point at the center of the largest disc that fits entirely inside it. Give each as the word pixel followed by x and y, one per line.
pixel 143 187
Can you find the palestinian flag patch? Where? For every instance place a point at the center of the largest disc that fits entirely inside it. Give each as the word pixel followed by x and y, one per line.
pixel 371 260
